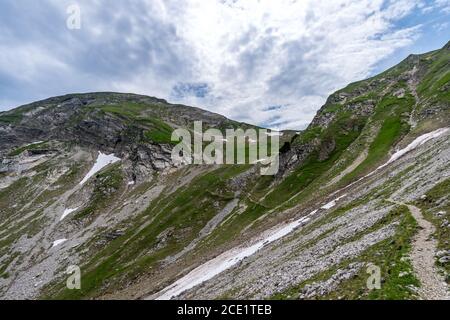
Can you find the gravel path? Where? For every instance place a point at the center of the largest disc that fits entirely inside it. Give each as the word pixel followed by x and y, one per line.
pixel 423 260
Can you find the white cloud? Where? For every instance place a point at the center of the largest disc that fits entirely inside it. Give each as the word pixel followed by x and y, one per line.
pixel 442 6
pixel 261 53
pixel 441 26
pixel 251 54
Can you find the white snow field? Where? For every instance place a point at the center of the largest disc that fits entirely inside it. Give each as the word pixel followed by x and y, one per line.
pixel 333 203
pixel 413 145
pixel 58 242
pixel 66 213
pixel 102 161
pixel 226 260
pixel 398 154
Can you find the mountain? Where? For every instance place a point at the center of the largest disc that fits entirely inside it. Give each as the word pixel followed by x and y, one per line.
pixel 359 189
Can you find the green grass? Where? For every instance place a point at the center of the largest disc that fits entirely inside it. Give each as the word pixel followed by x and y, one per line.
pixel 12 195
pixel 10 118
pixel 352 87
pixel 388 255
pixel 308 135
pixel 36 146
pixel 437 74
pixel 5 264
pixel 342 133
pixel 234 226
pixel 390 111
pixel 107 185
pixel 364 98
pixel 159 131
pixel 333 108
pixel 184 213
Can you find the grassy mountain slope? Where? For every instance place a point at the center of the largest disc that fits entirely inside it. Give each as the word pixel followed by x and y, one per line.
pixel 140 224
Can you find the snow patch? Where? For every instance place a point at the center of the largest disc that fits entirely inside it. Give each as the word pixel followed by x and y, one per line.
pixel 413 145
pixel 398 154
pixel 58 242
pixel 228 259
pixel 67 212
pixel 331 204
pixel 102 161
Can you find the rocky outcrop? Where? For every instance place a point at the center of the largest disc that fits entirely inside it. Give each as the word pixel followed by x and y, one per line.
pixel 84 120
pixel 322 288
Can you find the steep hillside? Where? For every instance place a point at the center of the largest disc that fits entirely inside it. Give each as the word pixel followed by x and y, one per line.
pixel 141 227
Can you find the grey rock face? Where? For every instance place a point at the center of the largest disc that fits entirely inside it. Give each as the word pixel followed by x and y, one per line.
pixel 78 119
pixel 322 288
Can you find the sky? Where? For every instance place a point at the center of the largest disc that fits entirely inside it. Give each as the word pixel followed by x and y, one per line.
pixel 265 62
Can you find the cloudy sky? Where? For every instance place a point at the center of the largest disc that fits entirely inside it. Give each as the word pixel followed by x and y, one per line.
pixel 267 62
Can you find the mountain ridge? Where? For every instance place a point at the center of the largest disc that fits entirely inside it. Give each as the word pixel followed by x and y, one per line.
pixel 139 224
